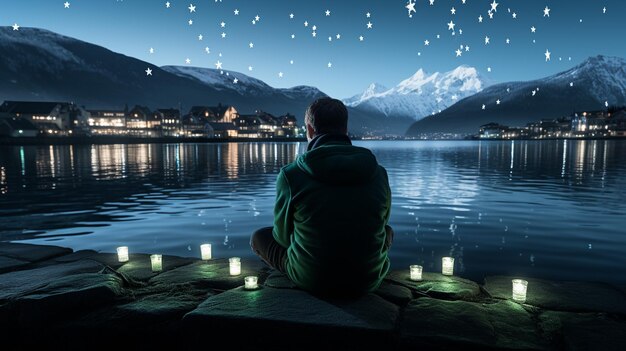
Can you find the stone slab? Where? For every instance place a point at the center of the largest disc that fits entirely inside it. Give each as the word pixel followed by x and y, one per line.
pixel 32 253
pixel 213 274
pixel 280 317
pixel 397 294
pixel 139 266
pixel 563 296
pixel 438 285
pixel 21 283
pixel 8 264
pixel 584 331
pixel 430 323
pixel 279 281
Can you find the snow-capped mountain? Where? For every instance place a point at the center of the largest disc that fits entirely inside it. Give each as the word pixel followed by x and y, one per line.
pixel 420 95
pixel 593 84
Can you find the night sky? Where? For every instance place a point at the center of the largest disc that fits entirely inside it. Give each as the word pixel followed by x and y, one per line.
pixel 393 48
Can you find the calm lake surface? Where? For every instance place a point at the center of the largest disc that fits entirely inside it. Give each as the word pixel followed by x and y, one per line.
pixel 551 209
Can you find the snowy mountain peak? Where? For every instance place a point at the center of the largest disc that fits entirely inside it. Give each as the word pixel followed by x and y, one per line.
pixel 421 94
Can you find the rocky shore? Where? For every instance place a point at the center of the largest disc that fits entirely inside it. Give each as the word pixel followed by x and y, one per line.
pixel 55 298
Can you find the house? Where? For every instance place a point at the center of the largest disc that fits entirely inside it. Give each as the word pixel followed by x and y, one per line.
pixel 492 131
pixel 216 114
pixel 53 118
pixel 107 122
pixel 171 123
pixel 17 127
pixel 195 127
pixel 222 130
pixel 142 122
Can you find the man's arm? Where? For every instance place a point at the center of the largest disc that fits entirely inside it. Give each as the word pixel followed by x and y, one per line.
pixel 283 213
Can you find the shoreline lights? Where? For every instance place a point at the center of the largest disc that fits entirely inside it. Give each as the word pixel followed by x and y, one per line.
pixel 156 262
pixel 447 266
pixel 235 265
pixel 205 250
pixel 122 254
pixel 520 287
pixel 415 272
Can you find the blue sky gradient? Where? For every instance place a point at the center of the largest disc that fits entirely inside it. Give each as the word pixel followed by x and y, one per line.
pixel 392 50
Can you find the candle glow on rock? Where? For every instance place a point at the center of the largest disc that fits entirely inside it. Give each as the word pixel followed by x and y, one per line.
pixel 447 266
pixel 251 282
pixel 520 287
pixel 157 262
pixel 122 253
pixel 415 272
pixel 235 265
pixel 205 250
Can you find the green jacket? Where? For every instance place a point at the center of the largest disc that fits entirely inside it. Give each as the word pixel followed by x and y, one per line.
pixel 332 205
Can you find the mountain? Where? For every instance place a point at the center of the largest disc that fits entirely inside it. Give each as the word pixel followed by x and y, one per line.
pixel 587 86
pixel 420 95
pixel 37 64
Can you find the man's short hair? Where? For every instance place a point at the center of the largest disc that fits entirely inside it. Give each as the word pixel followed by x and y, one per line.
pixel 327 115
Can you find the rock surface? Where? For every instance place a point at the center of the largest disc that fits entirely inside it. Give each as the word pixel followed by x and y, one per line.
pixel 438 285
pixel 584 331
pixel 31 253
pixel 8 264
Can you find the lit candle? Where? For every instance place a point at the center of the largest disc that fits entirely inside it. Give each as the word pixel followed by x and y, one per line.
pixel 122 253
pixel 157 263
pixel 416 272
pixel 205 250
pixel 447 266
pixel 519 290
pixel 251 282
pixel 235 265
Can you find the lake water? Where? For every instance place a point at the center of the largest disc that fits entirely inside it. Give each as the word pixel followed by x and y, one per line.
pixel 551 209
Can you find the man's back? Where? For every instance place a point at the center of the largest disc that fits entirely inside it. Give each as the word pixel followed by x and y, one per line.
pixel 332 206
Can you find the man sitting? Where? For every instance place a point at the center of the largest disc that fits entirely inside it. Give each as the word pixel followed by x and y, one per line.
pixel 330 233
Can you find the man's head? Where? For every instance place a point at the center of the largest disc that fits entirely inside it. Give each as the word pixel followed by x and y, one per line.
pixel 326 116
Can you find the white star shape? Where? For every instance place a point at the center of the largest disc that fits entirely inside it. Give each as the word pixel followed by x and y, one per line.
pixel 188 61
pixel 514 15
pixel 451 25
pixel 604 10
pixel 494 6
pixel 467 48
pixel 223 35
pixel 200 37
pixel 330 64
pixel 458 52
pixel 291 15
pixel 223 24
pixel 480 19
pixel 218 65
pixel 490 15
pixel 361 38
pixel 488 69
pixel 314 28
pixel 534 92
pixel 235 81
pixel 190 22
pixel 151 50
pixel 410 6
pixel 236 12
pixel 368 15
pixel 548 53
pixel 148 72
pixel 314 34
pixel 167 4
pixel 257 18
pixel 192 8
pixel 67 5
pixel 498 102
pixel 453 11
pixel 463 1
pixel 250 68
pixel 508 41
pixel 487 40
pixel 426 42
pixel 16 27
pixel 606 104
pixel 251 45
pixel 330 38
pixel 306 23
pixel 571 84
pixel 327 12
pixel 280 74
pixel 369 25
pixel 533 29
pixel 291 62
pixel 253 22
pixel 432 2
pixel 546 12
pixel 338 36
pixel 484 107
pixel 293 36
pixel 208 51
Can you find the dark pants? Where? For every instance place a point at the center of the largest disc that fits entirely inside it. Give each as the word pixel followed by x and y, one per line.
pixel 269 250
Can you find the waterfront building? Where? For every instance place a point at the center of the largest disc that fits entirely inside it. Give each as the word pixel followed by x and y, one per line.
pixel 17 127
pixel 171 122
pixel 51 118
pixel 107 122
pixel 141 122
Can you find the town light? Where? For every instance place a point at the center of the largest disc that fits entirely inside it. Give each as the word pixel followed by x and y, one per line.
pixel 447 266
pixel 157 263
pixel 519 290
pixel 251 283
pixel 235 265
pixel 205 251
pixel 122 253
pixel 415 272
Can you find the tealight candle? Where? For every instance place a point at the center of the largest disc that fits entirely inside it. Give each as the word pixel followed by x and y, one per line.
pixel 447 266
pixel 251 282
pixel 157 263
pixel 519 290
pixel 235 265
pixel 205 250
pixel 122 253
pixel 415 272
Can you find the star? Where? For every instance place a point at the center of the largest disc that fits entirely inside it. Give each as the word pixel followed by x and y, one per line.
pixel 432 2
pixel 451 25
pixel 293 36
pixel 330 38
pixel 236 12
pixel 410 6
pixel 200 37
pixel 167 4
pixel 188 61
pixel 314 27
pixel 487 40
pixel 480 19
pixel 192 8
pixel 280 74
pixel 508 41
pixel 223 35
pixel 426 42
pixel 498 102
pixel 314 34
pixel 463 1
pixel 361 38
pixel 306 23
pixel 494 6
pixel 458 52
pixel 548 53
pixel 369 25
pixel 453 11
pixel 190 22
pixel 534 92
pixel 253 22
pixel 571 84
pixel 251 45
pixel 218 65
pixel 208 51
pixel 235 80
pixel 604 10
pixel 16 27
pixel 484 107
pixel 291 62
pixel 467 48
pixel 338 36
pixel 327 12
pixel 148 72
pixel 291 15
pixel 222 24
pixel 546 12
pixel 330 64
pixel 488 69
pixel 490 15
pixel 257 18
pixel 67 5
pixel 533 29
pixel 368 15
pixel 151 50
pixel 514 15
pixel 250 68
